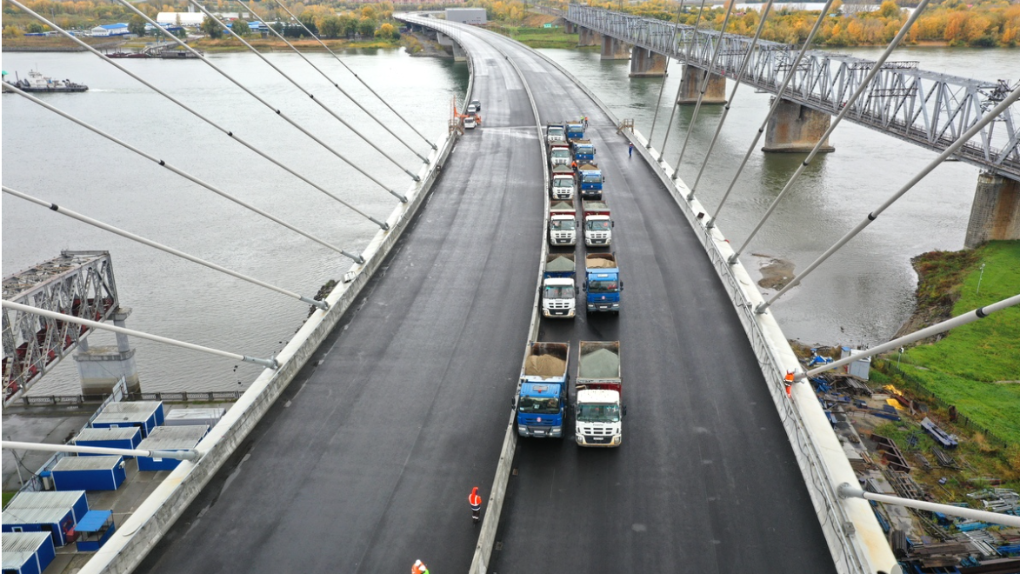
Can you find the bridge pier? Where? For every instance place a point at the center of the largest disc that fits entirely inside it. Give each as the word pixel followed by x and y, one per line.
pixel 715 92
pixel 613 49
pixel 796 129
pixel 587 37
pixel 570 27
pixel 995 213
pixel 646 63
pixel 101 367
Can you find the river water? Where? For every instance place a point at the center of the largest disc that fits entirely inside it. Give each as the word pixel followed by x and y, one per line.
pixel 860 296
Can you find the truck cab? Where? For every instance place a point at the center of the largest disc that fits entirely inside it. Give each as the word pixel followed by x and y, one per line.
pixel 542 400
pixel 575 131
pixel 562 185
pixel 598 225
pixel 559 292
pixel 562 224
pixel 555 133
pixel 602 283
pixel 559 154
pixel 599 393
pixel 590 179
pixel 584 152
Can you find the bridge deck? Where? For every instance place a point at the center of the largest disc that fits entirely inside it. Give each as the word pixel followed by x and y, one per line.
pixel 705 480
pixel 365 464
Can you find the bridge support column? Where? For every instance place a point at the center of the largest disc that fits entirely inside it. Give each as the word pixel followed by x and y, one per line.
pixel 458 53
pixel 796 129
pixel 995 213
pixel 613 49
pixel 101 367
pixel 587 37
pixel 715 92
pixel 571 28
pixel 646 63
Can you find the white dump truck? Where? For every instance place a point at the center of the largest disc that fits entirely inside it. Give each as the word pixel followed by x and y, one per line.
pixel 559 290
pixel 598 225
pixel 598 408
pixel 562 185
pixel 562 224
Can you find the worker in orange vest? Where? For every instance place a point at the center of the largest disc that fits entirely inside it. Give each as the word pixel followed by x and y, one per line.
pixel 476 504
pixel 419 568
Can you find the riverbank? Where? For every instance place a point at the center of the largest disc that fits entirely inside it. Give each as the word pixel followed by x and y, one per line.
pixel 533 33
pixel 61 44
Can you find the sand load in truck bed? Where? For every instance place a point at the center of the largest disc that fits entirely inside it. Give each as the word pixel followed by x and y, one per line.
pixel 544 366
pixel 560 265
pixel 599 264
pixel 600 364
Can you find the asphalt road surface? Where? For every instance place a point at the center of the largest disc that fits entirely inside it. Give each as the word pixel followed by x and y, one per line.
pixel 366 464
pixel 705 480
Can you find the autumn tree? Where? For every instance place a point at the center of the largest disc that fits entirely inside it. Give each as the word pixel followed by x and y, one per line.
pixel 211 28
pixel 137 25
pixel 240 27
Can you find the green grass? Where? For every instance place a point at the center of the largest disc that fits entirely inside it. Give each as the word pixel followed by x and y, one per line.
pixel 8 495
pixel 539 37
pixel 969 366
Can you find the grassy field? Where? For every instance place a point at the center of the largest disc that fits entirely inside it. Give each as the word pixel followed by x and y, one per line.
pixel 538 37
pixel 977 367
pixel 8 495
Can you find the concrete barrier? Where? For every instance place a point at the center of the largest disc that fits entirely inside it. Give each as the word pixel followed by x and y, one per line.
pixel 852 532
pixel 136 537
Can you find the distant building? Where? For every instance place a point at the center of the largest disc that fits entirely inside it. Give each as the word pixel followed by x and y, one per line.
pixel 466 15
pixel 110 30
pixel 194 19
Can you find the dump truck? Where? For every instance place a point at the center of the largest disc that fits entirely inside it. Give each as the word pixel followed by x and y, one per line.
pixel 562 185
pixel 542 399
pixel 562 224
pixel 555 133
pixel 559 154
pixel 602 283
pixel 590 180
pixel 584 151
pixel 598 226
pixel 559 291
pixel 598 405
pixel 575 131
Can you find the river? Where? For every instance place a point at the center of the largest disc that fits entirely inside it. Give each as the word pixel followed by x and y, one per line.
pixel 859 297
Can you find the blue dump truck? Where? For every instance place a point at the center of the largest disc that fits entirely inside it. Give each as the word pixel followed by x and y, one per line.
pixel 590 180
pixel 543 390
pixel 602 283
pixel 584 152
pixel 575 131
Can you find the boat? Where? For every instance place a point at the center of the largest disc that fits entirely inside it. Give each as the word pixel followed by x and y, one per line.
pixel 127 55
pixel 36 82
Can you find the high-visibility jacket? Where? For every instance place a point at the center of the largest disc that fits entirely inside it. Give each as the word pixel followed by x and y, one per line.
pixel 475 501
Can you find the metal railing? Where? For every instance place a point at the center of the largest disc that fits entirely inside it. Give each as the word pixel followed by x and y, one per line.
pixel 925 108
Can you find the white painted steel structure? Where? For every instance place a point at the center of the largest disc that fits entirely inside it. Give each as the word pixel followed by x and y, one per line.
pixel 925 108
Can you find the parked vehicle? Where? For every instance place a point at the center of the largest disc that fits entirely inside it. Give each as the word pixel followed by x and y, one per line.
pixel 575 131
pixel 584 152
pixel 562 185
pixel 590 179
pixel 469 122
pixel 562 224
pixel 477 104
pixel 555 133
pixel 598 406
pixel 472 109
pixel 602 283
pixel 598 226
pixel 559 292
pixel 543 390
pixel 559 154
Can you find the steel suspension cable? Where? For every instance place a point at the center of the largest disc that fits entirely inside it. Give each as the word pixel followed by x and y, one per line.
pixel 190 110
pixel 127 234
pixel 182 173
pixel 331 81
pixel 703 87
pixel 353 73
pixel 772 110
pixel 294 82
pixel 268 363
pixel 832 126
pixel 662 87
pixel 262 101
pixel 676 100
pixel 733 94
pixel 989 117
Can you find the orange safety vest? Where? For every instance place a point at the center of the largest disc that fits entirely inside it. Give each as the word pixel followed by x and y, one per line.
pixel 474 500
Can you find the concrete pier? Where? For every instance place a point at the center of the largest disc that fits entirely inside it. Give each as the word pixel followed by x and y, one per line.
pixel 587 37
pixel 570 27
pixel 613 49
pixel 101 367
pixel 691 82
pixel 796 129
pixel 646 63
pixel 995 213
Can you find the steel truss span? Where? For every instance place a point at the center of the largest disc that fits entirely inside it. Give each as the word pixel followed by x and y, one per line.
pixel 925 108
pixel 78 283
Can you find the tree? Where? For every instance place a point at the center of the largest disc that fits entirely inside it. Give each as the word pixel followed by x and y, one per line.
pixel 386 32
pixel 889 9
pixel 308 19
pixel 34 28
pixel 211 28
pixel 348 25
pixel 11 31
pixel 240 27
pixel 330 26
pixel 136 25
pixel 366 27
